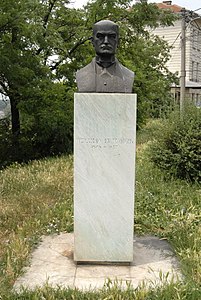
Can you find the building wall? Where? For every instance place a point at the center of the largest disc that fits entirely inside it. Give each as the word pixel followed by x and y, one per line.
pixel 171 34
pixel 194 42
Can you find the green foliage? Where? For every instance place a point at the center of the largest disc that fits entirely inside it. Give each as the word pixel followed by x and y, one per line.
pixel 44 43
pixel 46 126
pixel 35 39
pixel 5 143
pixel 47 120
pixel 178 147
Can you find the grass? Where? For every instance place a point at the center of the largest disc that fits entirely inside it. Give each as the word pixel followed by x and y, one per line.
pixel 36 199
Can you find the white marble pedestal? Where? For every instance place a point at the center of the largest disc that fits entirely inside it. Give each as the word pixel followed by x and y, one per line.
pixel 104 170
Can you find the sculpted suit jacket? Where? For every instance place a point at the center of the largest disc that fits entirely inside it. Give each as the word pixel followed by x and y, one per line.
pixel 95 79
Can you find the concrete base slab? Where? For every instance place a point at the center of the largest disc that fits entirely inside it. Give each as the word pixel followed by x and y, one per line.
pixel 52 263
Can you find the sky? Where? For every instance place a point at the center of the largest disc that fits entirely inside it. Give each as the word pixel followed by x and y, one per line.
pixel 188 4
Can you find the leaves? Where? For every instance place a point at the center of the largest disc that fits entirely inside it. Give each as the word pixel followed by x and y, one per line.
pixel 178 148
pixel 44 42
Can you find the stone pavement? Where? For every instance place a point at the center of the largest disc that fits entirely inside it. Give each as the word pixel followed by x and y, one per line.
pixel 52 263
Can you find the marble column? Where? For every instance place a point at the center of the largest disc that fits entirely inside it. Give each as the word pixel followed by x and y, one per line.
pixel 104 176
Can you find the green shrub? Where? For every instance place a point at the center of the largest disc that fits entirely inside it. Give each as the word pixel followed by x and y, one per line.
pixel 47 121
pixel 46 126
pixel 177 148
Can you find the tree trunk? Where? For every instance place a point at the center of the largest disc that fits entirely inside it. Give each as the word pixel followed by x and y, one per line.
pixel 15 116
pixel 15 121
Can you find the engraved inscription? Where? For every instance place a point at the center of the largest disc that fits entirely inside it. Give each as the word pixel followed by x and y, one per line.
pixel 108 142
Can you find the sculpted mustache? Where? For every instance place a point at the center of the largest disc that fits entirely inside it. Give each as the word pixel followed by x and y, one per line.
pixel 106 46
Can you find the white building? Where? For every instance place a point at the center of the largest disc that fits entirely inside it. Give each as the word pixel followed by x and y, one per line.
pixel 172 35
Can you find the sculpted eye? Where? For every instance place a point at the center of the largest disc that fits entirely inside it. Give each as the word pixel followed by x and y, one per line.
pixel 100 36
pixel 112 36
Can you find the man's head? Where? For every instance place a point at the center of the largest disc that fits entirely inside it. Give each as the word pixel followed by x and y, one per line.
pixel 105 37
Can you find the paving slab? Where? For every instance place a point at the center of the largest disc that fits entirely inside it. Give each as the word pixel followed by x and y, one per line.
pixel 52 263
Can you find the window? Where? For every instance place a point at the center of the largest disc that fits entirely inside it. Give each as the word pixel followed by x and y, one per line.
pixel 192 70
pixel 199 40
pixel 197 72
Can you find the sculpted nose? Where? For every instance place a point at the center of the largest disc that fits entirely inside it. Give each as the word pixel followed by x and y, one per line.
pixel 106 40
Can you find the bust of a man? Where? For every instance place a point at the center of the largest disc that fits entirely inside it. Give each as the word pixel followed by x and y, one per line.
pixel 105 74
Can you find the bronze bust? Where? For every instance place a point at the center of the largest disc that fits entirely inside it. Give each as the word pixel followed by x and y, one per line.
pixel 105 74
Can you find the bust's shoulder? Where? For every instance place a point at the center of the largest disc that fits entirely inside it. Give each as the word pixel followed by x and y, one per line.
pixel 86 70
pixel 126 71
pixel 85 78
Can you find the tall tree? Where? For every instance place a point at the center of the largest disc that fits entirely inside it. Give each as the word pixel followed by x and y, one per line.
pixel 32 46
pixel 44 42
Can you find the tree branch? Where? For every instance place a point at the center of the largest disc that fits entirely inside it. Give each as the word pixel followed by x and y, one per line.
pixel 47 16
pixel 45 21
pixel 56 65
pixel 81 42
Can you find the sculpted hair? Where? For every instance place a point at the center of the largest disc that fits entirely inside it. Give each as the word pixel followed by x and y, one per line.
pixel 101 23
